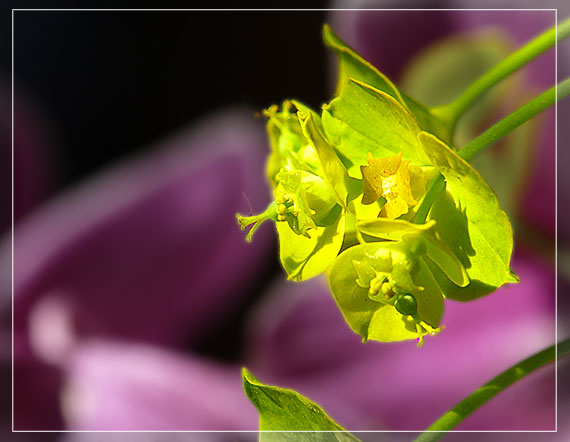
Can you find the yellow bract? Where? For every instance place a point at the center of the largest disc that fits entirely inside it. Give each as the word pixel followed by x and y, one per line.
pixel 397 181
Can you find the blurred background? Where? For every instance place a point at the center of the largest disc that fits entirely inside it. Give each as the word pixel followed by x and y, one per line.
pixel 136 299
pixel 115 82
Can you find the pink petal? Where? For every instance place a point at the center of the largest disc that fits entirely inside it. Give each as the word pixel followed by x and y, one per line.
pixel 151 250
pixel 126 386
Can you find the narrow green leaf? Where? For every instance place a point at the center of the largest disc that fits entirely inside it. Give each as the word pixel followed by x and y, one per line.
pixel 470 221
pixel 363 119
pixel 281 409
pixel 302 257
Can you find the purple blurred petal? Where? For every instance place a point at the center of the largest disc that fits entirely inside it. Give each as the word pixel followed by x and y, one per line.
pixel 388 39
pixel 148 251
pixel 121 386
pixel 563 431
pixel 151 250
pixel 401 387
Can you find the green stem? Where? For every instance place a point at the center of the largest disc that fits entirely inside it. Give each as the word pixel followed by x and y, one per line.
pixel 514 120
pixel 483 394
pixel 451 112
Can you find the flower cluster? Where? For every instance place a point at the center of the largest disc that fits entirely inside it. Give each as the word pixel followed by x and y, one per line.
pixel 355 194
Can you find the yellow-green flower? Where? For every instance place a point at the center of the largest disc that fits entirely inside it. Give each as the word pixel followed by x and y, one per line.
pixel 400 183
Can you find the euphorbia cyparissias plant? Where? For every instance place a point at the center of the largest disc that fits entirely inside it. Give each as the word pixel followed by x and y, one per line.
pixel 350 185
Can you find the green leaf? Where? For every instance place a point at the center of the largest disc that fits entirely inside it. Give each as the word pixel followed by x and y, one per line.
pixel 281 409
pixel 363 119
pixel 470 221
pixel 352 65
pixel 302 257
pixel 376 320
pixel 334 172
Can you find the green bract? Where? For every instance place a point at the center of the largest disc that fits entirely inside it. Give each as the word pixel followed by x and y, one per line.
pixel 365 120
pixel 391 269
pixel 368 279
pixel 347 185
pixel 352 65
pixel 471 222
pixel 281 409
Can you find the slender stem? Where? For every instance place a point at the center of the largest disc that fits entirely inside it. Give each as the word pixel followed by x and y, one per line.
pixel 450 113
pixel 483 394
pixel 514 120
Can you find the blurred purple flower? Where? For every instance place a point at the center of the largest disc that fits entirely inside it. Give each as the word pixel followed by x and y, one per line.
pixel 119 386
pixel 149 251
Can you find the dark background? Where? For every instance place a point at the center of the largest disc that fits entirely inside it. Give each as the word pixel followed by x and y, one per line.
pixel 111 84
pixel 114 82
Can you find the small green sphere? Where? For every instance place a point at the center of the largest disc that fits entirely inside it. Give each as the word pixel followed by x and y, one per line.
pixel 406 304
